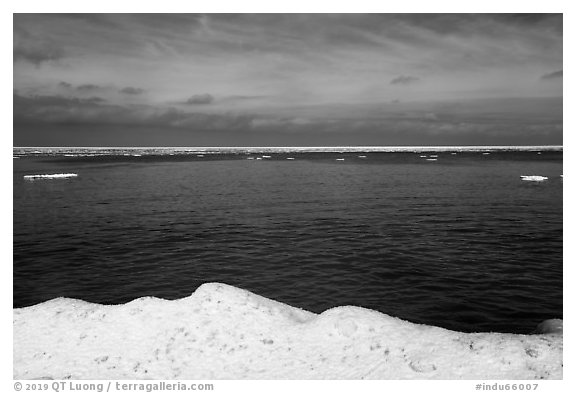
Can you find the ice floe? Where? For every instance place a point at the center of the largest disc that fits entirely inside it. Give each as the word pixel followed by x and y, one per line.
pixel 53 176
pixel 533 178
pixel 223 332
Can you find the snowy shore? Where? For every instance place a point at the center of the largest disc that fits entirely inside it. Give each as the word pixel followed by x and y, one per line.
pixel 223 332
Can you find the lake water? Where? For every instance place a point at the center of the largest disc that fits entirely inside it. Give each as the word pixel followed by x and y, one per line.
pixel 461 242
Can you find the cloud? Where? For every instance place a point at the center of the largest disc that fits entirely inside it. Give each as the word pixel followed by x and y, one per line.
pixel 552 76
pixel 404 80
pixel 36 55
pixel 96 111
pixel 200 99
pixel 285 57
pixel 87 87
pixel 33 48
pixel 284 123
pixel 132 91
pixel 94 100
pixel 474 122
pixel 238 97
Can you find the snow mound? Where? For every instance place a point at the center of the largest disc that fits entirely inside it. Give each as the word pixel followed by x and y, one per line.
pixel 223 332
pixel 533 178
pixel 54 176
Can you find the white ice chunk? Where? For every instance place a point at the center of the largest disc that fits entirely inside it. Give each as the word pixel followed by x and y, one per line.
pixel 533 178
pixel 54 176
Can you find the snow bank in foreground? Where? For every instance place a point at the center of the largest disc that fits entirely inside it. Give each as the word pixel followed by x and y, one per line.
pixel 54 176
pixel 222 332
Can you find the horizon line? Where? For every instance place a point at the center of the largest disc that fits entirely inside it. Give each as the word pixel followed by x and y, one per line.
pixel 283 147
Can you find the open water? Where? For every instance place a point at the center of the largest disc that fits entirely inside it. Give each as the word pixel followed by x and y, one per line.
pixel 460 242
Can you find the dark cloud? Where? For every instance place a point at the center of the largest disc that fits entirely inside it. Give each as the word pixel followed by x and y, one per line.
pixel 103 20
pixel 132 91
pixel 36 55
pixel 95 100
pixel 47 101
pixel 200 99
pixel 95 111
pixel 87 87
pixel 404 80
pixel 44 108
pixel 552 76
pixel 459 122
pixel 84 88
pixel 552 22
pixel 33 49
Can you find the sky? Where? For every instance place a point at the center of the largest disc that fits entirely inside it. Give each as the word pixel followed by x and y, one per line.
pixel 287 79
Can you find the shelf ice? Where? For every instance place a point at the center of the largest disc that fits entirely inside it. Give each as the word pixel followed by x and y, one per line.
pixel 223 332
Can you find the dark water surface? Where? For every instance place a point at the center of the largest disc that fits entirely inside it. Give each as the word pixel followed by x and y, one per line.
pixel 460 242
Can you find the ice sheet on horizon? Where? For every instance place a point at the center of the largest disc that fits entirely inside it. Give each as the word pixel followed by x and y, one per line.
pixel 256 149
pixel 223 332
